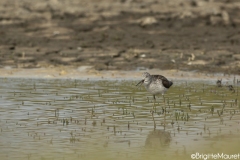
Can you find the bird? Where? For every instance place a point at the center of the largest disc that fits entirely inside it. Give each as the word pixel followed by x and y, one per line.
pixel 155 84
pixel 219 83
pixel 230 87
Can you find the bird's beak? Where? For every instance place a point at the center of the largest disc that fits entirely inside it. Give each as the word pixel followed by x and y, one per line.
pixel 141 82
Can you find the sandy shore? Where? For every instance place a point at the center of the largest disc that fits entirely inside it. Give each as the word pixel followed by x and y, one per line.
pixel 87 72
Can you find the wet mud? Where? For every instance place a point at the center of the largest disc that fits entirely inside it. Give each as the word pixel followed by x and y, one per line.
pixel 183 35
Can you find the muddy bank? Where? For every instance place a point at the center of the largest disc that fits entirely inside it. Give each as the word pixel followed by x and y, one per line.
pixel 199 36
pixel 89 73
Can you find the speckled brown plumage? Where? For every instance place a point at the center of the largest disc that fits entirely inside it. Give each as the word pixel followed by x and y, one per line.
pixel 166 83
pixel 155 84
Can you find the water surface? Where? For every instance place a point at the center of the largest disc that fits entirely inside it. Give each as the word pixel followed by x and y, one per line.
pixel 82 119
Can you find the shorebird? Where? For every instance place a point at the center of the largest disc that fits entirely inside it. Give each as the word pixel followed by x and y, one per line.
pixel 230 87
pixel 219 83
pixel 155 84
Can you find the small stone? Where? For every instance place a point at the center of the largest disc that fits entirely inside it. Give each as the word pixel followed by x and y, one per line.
pixel 236 56
pixel 79 48
pixel 225 17
pixel 147 21
pixel 62 72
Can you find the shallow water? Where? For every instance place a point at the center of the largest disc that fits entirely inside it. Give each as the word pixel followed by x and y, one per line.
pixel 82 119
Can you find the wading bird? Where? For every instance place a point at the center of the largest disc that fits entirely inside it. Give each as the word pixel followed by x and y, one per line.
pixel 155 84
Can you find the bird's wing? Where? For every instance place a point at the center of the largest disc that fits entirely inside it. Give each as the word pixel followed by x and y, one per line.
pixel 166 83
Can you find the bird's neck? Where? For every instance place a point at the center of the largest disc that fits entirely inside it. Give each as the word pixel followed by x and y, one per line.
pixel 147 81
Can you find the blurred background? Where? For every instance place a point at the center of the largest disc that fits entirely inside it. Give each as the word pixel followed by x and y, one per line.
pixel 188 35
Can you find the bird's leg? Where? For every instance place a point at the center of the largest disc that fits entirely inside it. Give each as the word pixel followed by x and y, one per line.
pixel 154 105
pixel 163 100
pixel 154 123
pixel 164 104
pixel 154 98
pixel 153 112
pixel 164 123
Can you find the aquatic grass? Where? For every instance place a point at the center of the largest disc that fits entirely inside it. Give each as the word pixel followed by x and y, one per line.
pixel 81 117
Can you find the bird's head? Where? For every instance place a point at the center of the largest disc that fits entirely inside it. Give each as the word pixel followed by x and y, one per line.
pixel 145 77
